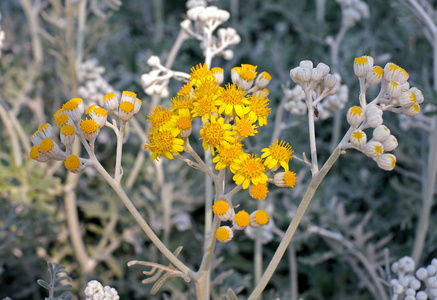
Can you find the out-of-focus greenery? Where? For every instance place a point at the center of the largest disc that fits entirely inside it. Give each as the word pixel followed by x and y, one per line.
pixel 370 208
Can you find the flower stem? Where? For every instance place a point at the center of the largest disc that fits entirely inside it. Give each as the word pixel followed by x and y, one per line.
pixel 140 220
pixel 314 184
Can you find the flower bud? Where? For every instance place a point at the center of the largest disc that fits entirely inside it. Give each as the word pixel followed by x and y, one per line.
pixel 355 116
pixel 358 139
pixel 381 133
pixel 386 161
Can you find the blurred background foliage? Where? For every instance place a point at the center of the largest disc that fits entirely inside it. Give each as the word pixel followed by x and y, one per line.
pixel 368 208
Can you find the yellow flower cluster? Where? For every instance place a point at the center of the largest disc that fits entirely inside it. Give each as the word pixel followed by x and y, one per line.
pixel 229 114
pixel 69 119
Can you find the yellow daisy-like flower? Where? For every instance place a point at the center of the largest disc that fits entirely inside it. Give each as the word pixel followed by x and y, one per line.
pixel 72 163
pixel 165 143
pixel 285 179
pixel 224 234
pixel 258 109
pixel 247 72
pixel 278 154
pixel 184 123
pixel 200 72
pixel 204 99
pixel 186 90
pixel 231 100
pixel 241 220
pixel 250 170
pixel 161 118
pixel 244 128
pixel 259 191
pixel 182 105
pixel 227 157
pixel 215 133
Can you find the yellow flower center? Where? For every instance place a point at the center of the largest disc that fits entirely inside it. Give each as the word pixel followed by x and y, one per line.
pixel 34 152
pixel 61 120
pixel 159 116
pixel 356 111
pixel 281 151
pixel 213 134
pixel 232 95
pixel 222 234
pixel 227 155
pixel 127 107
pixel 242 218
pixel 108 97
pixel 129 94
pixel 44 127
pixel 244 128
pixel 259 191
pixel 91 109
pixel 67 130
pixel 72 104
pixel 217 70
pixel 72 162
pixel 247 72
pixel 290 179
pixel 358 135
pixel 261 217
pixel 361 60
pixel 184 123
pixel 89 126
pixel 392 67
pixel 46 145
pixel 378 71
pixel 378 149
pixel 252 167
pixel 100 111
pixel 162 140
pixel 220 207
pixel 415 107
pixel 403 72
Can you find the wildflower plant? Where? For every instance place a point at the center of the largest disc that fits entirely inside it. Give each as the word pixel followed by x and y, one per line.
pixel 222 117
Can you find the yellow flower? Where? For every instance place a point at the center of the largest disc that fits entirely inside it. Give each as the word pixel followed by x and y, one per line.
pixel 204 99
pixel 279 154
pixel 241 220
pixel 247 72
pixel 258 108
pixel 224 234
pixel 186 90
pixel 200 72
pixel 164 143
pixel 285 179
pixel 161 118
pixel 250 170
pixel 244 128
pixel 259 191
pixel 89 128
pixel 72 163
pixel 223 210
pixel 259 218
pixel 215 133
pixel 231 100
pixel 227 157
pixel 182 105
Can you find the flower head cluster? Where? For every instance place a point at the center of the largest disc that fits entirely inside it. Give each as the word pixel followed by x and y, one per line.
pixel 408 281
pixel 228 114
pixel 72 123
pixel 395 96
pixel 315 79
pixel 240 220
pixel 95 291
